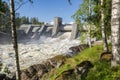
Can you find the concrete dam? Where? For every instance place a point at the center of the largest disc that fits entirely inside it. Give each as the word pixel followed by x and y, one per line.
pixel 56 30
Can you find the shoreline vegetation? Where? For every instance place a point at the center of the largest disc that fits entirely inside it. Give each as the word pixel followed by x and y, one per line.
pixel 100 71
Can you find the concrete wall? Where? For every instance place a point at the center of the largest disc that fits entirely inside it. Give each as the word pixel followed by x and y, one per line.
pixel 35 31
pixel 57 24
pixel 74 31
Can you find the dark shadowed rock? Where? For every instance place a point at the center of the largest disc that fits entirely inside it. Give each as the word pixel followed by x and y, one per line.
pixel 31 72
pixel 83 68
pixel 66 75
pixel 2 76
pixel 57 61
pixel 5 77
pixel 76 73
pixel 36 71
pixel 48 66
pixel 35 78
pixel 12 76
pixel 25 75
pixel 118 78
pixel 106 56
pixel 79 48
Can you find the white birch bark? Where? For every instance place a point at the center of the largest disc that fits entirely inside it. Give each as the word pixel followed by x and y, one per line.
pixel 105 44
pixel 115 29
pixel 14 38
pixel 89 30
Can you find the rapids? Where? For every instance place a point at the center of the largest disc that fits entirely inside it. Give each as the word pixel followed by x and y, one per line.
pixel 35 51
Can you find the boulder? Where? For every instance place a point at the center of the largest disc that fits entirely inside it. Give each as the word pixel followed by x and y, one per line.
pixel 5 77
pixel 76 73
pixel 79 48
pixel 57 61
pixel 106 56
pixel 67 75
pixel 35 72
pixel 2 76
pixel 83 68
pixel 118 78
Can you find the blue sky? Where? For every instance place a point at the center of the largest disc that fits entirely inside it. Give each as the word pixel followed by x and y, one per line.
pixel 46 10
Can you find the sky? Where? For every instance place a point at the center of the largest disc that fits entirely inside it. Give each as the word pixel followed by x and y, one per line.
pixel 46 10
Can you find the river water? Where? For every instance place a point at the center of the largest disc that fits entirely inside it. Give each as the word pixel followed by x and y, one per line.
pixel 35 51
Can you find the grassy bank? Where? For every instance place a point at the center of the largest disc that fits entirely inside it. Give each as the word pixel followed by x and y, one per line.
pixel 100 71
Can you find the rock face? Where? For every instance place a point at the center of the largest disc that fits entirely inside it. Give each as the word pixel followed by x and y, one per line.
pixel 77 73
pixel 79 48
pixel 5 77
pixel 35 72
pixel 57 61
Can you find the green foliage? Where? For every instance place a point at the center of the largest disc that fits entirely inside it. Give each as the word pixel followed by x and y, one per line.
pixel 100 71
pixel 107 17
pixel 82 15
pixel 83 12
pixel 27 20
pixel 4 17
pixel 34 20
pixel 96 19
pixel 103 71
pixel 82 37
pixel 5 70
pixel 3 7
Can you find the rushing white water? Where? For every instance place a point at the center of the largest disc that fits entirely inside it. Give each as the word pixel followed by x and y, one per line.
pixel 35 51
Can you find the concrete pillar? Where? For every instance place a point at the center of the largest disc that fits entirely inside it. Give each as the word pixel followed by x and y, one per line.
pixel 57 24
pixel 74 31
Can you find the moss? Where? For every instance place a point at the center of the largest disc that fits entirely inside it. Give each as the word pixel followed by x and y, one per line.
pixel 59 58
pixel 106 56
pixel 101 70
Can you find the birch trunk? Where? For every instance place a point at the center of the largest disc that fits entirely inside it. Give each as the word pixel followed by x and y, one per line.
pixel 115 29
pixel 105 43
pixel 14 38
pixel 89 33
pixel 89 30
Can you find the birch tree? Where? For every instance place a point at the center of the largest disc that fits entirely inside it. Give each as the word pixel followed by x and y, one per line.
pixel 115 29
pixel 14 38
pixel 104 37
pixel 84 14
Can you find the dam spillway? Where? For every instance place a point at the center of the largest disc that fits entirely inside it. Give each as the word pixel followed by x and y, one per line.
pixel 57 29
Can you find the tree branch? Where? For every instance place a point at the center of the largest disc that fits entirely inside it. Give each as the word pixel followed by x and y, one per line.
pixel 2 13
pixel 70 2
pixel 21 5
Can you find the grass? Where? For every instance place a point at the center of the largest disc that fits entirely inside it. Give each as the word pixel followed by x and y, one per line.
pixel 101 70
